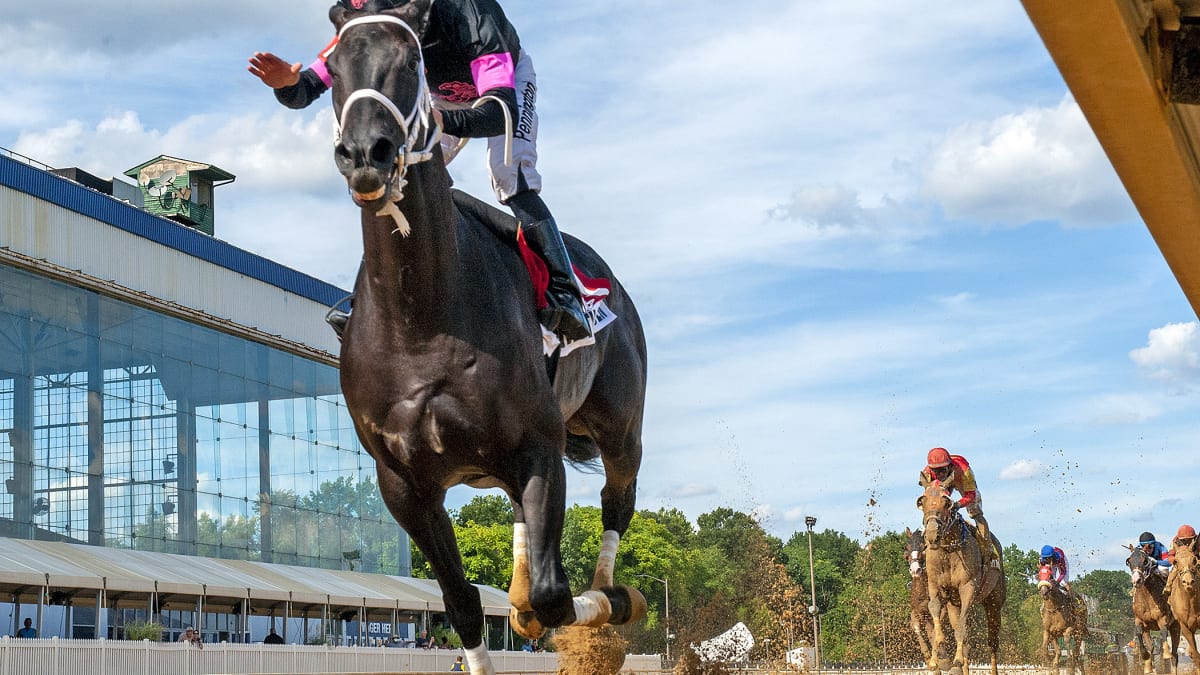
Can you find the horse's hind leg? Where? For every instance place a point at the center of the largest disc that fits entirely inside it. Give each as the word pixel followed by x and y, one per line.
pixel 617 500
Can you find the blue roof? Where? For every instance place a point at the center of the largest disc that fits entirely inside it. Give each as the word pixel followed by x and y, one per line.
pixel 99 206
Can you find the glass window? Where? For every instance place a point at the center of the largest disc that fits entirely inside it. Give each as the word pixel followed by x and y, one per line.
pixel 180 437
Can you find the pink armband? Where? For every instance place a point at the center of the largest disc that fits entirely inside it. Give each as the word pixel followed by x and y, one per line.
pixel 493 70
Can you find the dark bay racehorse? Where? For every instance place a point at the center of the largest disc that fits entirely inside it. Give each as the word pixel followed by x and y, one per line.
pixel 919 618
pixel 957 578
pixel 1063 616
pixel 1184 597
pixel 442 365
pixel 1150 610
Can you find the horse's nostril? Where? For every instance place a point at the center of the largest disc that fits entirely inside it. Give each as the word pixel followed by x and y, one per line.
pixel 383 152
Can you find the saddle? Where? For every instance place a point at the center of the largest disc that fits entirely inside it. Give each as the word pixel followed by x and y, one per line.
pixel 506 228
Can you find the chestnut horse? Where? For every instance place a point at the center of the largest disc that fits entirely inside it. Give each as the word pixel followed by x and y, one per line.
pixel 442 362
pixel 1150 610
pixel 957 578
pixel 1064 616
pixel 1184 597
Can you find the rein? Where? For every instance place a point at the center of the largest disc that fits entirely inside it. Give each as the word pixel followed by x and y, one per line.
pixel 937 528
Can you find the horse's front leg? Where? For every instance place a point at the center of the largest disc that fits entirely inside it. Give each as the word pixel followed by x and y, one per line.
pixel 1143 638
pixel 1189 634
pixel 918 624
pixel 961 613
pixel 939 634
pixel 424 518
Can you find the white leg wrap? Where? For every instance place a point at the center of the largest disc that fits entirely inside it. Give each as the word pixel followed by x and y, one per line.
pixel 520 542
pixel 479 661
pixel 607 559
pixel 590 606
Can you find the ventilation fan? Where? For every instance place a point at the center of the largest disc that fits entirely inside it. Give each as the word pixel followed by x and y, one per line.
pixel 164 185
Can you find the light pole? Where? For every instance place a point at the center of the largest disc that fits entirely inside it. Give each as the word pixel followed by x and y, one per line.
pixel 810 522
pixel 666 609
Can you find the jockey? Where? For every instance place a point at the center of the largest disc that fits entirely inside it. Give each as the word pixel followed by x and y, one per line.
pixel 470 51
pixel 1185 537
pixel 1057 560
pixel 1156 551
pixel 954 473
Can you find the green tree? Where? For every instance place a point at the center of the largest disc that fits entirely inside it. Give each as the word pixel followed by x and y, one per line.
pixel 1112 593
pixel 484 510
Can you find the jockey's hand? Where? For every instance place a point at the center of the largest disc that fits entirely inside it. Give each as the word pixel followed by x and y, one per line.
pixel 274 71
pixel 955 507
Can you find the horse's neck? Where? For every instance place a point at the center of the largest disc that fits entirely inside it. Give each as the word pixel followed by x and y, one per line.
pixel 414 276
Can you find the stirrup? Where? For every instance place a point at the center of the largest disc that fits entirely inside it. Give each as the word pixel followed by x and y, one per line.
pixel 337 320
pixel 566 319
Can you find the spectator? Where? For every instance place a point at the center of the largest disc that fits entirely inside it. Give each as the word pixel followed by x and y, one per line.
pixel 28 631
pixel 272 638
pixel 423 641
pixel 191 638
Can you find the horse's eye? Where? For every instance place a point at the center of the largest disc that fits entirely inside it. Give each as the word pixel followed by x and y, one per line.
pixel 414 61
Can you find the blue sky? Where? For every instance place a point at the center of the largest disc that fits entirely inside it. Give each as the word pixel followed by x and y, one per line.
pixel 854 231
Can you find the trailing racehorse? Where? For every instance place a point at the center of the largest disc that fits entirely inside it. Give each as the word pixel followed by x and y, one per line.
pixel 957 578
pixel 442 362
pixel 1064 616
pixel 1184 597
pixel 918 593
pixel 1150 610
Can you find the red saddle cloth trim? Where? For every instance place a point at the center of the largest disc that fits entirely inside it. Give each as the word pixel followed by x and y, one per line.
pixel 539 275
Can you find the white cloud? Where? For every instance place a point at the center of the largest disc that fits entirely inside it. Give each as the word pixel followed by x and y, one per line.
pixel 1172 353
pixel 691 490
pixel 1040 164
pixel 1023 469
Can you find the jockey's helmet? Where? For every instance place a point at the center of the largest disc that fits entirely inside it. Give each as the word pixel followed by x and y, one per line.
pixel 1185 533
pixel 938 457
pixel 1146 538
pixel 1047 553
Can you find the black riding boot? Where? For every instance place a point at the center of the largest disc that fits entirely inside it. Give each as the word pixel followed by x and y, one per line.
pixel 564 316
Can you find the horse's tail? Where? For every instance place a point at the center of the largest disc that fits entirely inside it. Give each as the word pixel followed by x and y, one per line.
pixel 583 453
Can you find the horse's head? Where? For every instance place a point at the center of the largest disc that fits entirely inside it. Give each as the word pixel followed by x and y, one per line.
pixel 1185 568
pixel 935 511
pixel 1139 565
pixel 380 98
pixel 914 552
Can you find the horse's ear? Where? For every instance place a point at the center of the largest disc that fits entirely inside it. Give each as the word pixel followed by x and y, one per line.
pixel 908 532
pixel 337 16
pixel 415 14
pixel 921 501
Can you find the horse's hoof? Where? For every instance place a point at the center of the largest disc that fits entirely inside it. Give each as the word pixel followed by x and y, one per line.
pixel 526 624
pixel 628 604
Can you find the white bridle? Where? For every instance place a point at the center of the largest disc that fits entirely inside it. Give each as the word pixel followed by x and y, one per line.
pixel 413 126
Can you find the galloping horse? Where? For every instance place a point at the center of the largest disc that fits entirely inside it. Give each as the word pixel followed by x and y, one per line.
pixel 1063 616
pixel 442 362
pixel 919 618
pixel 1150 610
pixel 1183 596
pixel 957 578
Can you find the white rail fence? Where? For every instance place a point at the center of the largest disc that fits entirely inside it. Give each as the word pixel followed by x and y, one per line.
pixel 120 657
